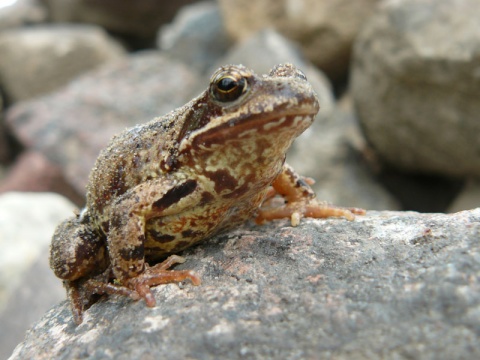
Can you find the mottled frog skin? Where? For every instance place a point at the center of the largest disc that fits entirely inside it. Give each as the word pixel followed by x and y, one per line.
pixel 166 185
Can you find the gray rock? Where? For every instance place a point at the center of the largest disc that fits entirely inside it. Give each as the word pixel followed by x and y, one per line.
pixel 140 18
pixel 325 29
pixel 196 36
pixel 14 13
pixel 3 172
pixel 389 285
pixel 40 59
pixel 82 117
pixel 27 286
pixel 33 172
pixel 469 197
pixel 4 148
pixel 416 85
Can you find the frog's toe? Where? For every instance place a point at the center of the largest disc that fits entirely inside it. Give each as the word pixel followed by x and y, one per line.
pixel 77 300
pixel 159 275
pixel 312 209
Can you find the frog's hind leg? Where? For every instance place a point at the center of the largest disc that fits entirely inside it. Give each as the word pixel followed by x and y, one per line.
pixel 77 253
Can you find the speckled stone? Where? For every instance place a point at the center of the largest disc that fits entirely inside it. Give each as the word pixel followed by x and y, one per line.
pixel 387 285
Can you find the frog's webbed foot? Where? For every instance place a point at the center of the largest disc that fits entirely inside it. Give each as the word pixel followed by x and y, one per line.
pixel 158 275
pixel 299 201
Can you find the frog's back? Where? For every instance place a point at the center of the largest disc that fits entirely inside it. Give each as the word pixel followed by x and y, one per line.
pixel 131 158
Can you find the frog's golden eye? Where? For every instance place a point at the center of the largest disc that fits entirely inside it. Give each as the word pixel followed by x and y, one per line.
pixel 228 88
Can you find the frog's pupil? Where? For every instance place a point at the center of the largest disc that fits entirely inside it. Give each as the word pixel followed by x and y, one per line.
pixel 228 88
pixel 227 84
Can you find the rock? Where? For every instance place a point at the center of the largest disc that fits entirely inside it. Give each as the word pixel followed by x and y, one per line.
pixel 325 29
pixel 3 172
pixel 140 18
pixel 388 285
pixel 4 148
pixel 417 192
pixel 416 85
pixel 82 117
pixel 36 60
pixel 14 13
pixel 33 172
pixel 196 36
pixel 332 152
pixel 469 197
pixel 27 286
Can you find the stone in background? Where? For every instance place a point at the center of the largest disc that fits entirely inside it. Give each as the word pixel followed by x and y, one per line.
pixel 135 18
pixel 83 116
pixel 416 85
pixel 324 29
pixel 15 13
pixel 37 60
pixel 28 288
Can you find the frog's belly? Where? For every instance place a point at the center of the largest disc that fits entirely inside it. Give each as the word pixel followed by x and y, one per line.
pixel 171 234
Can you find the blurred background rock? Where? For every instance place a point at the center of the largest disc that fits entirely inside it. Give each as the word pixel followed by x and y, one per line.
pixel 398 81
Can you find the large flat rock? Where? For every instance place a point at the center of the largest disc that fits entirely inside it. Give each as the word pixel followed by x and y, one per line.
pixel 387 285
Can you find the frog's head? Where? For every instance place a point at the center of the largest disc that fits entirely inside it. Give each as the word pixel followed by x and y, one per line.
pixel 242 109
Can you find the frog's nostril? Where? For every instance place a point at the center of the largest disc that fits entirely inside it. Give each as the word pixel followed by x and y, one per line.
pixel 299 74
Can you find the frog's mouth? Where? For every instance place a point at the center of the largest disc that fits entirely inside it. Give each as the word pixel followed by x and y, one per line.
pixel 283 127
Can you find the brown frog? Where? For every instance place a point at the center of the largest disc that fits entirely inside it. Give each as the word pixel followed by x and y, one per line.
pixel 166 185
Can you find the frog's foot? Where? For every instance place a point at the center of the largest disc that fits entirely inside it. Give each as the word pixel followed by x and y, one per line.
pixel 306 208
pixel 158 275
pixel 80 293
pixel 298 201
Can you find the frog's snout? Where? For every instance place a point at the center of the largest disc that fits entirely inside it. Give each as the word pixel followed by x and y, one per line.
pixel 287 70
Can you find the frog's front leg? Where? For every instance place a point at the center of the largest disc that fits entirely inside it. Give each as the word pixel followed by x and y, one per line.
pixel 126 237
pixel 300 201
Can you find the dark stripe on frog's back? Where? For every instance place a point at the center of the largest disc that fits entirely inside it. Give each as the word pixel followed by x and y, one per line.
pixel 120 166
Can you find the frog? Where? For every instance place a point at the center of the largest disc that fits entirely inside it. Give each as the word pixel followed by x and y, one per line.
pixel 168 184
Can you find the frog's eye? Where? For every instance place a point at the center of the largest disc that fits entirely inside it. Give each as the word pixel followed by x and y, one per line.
pixel 228 88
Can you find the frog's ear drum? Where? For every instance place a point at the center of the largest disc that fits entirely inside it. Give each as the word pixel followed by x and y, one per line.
pixel 228 87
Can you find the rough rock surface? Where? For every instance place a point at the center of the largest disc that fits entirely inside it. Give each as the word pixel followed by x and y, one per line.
pixel 387 285
pixel 139 18
pixel 325 29
pixel 39 59
pixel 27 286
pixel 82 117
pixel 416 85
